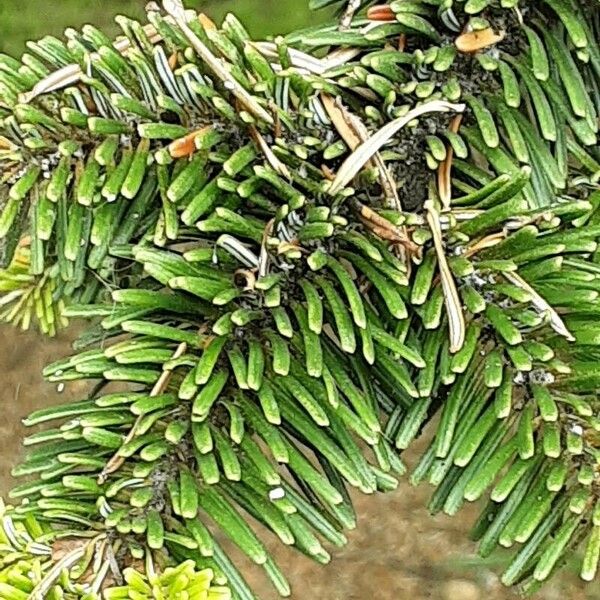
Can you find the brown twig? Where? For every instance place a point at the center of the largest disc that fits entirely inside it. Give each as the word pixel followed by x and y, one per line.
pixel 346 20
pixel 402 42
pixel 277 128
pixel 456 319
pixel 383 228
pixel 445 168
pixel 482 244
pixel 263 259
pixel 116 461
pixel 269 154
pixel 354 133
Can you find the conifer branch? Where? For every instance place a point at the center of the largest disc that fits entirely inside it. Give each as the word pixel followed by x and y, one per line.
pixel 292 256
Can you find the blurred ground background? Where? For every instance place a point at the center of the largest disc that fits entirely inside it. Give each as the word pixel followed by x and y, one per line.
pixel 399 551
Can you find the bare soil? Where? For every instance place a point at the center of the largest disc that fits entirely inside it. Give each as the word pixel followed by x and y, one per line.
pixel 398 551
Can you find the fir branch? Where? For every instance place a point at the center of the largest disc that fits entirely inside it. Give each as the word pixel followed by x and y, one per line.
pixel 295 256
